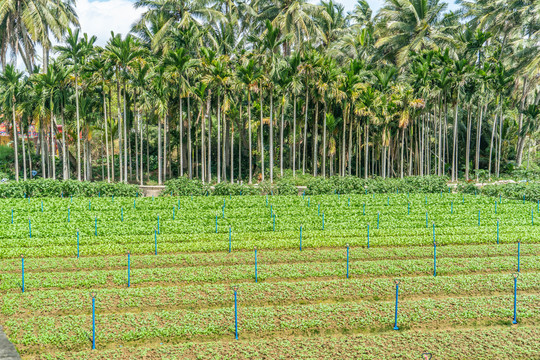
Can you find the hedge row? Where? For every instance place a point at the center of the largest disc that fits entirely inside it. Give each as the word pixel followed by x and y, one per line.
pixel 184 187
pixel 517 191
pixel 57 188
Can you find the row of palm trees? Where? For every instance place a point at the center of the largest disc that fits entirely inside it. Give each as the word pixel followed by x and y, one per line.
pixel 232 90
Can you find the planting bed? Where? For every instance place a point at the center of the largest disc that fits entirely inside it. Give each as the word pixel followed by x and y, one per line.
pixel 300 302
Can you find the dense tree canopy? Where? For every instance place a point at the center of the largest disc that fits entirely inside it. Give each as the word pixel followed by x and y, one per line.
pixel 254 90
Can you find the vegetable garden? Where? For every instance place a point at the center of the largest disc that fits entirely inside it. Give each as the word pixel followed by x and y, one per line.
pixel 315 276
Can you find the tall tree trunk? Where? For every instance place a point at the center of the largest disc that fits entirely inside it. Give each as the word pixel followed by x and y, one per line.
pixel 521 138
pixel 455 142
pixel 42 146
pixel 281 137
pixel 106 134
pixel 78 126
pixel 345 115
pixel 478 138
pixel 249 138
pixel 350 152
pixel 294 138
pixel 141 177
pixel 15 143
pixel 159 152
pixel 316 140
pixel 53 147
pixel 305 130
pixel 402 145
pixel 165 138
pixel 65 156
pixel 218 138
pixel 126 137
pixel 366 149
pixel 181 137
pixel 209 149
pixel 501 119
pixel 271 143
pixel 190 165
pixel 262 128
pixel 119 127
pixel 203 148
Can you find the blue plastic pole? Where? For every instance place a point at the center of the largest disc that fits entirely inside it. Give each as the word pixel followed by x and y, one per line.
pixel 368 236
pixel 308 201
pixel 524 199
pixel 349 202
pixel 22 272
pixel 155 242
pixel 271 211
pixel 274 223
pixel 408 208
pixel 235 316
pixel 230 239
pixel 434 258
pixel 347 261
pixel 514 321
pixel 364 209
pixel 303 195
pixel 378 215
pixel 12 215
pixel 112 198
pixel 95 226
pixel 532 216
pixel 519 246
pixel 129 268
pixel 223 212
pixel 397 297
pixel 158 223
pixel 266 200
pixel 255 264
pixel 478 217
pixel 387 200
pixel 77 243
pixel 300 237
pixel 319 209
pixel 433 232
pixel 41 205
pixel 93 322
pixel 216 223
pixel 426 220
pixel 134 205
pixel 29 227
pixel 89 204
pixel 178 204
pixel 69 213
pixel 323 220
pixel 173 212
pixel 122 213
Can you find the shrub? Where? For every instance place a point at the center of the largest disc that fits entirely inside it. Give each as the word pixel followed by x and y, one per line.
pixel 57 188
pixel 183 186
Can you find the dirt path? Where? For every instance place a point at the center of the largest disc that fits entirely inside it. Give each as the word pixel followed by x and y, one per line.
pixel 7 350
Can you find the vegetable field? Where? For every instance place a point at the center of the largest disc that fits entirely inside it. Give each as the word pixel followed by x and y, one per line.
pixel 315 277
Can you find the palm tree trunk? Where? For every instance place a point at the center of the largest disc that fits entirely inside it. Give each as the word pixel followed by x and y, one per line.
pixel 345 115
pixel 305 130
pixel 189 139
pixel 218 138
pixel 78 127
pixel 455 141
pixel 249 138
pixel 316 138
pixel 203 147
pixel 42 146
pixel 15 144
pixel 281 137
pixel 125 137
pixel 53 163
pixel 468 145
pixel 271 143
pixel 106 136
pixel 209 149
pixel 159 152
pixel 294 138
pixel 165 131
pixel 350 152
pixel 23 152
pixel 366 149
pixel 262 136
pixel 141 178
pixel 232 152
pixel 501 119
pixel 224 149
pixel 181 140
pixel 478 138
pixel 119 127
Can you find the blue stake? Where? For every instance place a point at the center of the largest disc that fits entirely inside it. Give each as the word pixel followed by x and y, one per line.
pixel 230 239
pixel 255 264
pixel 319 209
pixel 300 237
pixel 532 216
pixel 12 215
pixel 77 243
pixel 158 224
pixel 235 314
pixel 173 212
pixel 134 205
pixel 378 215
pixel 122 213
pixel 95 226
pixel 368 236
pixel 129 268
pixel 22 273
pixel 216 222
pixel 434 258
pixel 112 198
pixel 524 199
pixel 347 261
pixel 387 200
pixel 69 213
pixel 433 232
pixel 515 298
pixel 408 208
pixel 396 281
pixel 93 320
pixel 303 194
pixel 266 200
pixel 478 217
pixel 308 201
pixel 89 204
pixel 155 242
pixel 178 204
pixel 323 220
pixel 364 209
pixel 271 211
pixel 223 212
pixel 519 246
pixel 41 205
pixel 349 202
pixel 426 220
pixel 274 222
pixel 29 228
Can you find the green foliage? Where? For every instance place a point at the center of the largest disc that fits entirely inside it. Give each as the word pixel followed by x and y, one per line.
pixel 226 188
pixel 57 188
pixel 531 191
pixel 183 186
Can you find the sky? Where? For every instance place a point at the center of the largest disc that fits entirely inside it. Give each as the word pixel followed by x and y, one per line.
pixel 100 17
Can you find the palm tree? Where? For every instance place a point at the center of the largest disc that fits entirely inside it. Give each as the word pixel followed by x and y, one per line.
pixel 248 74
pixel 407 26
pixel 74 53
pixel 11 83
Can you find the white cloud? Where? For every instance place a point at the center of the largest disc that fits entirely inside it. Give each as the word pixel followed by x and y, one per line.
pixel 99 18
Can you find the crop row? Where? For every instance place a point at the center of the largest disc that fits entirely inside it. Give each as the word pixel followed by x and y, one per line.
pixel 480 344
pixel 264 256
pixel 135 299
pixel 71 332
pixel 266 272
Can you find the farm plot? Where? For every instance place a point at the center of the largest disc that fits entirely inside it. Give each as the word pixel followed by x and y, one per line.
pixel 313 275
